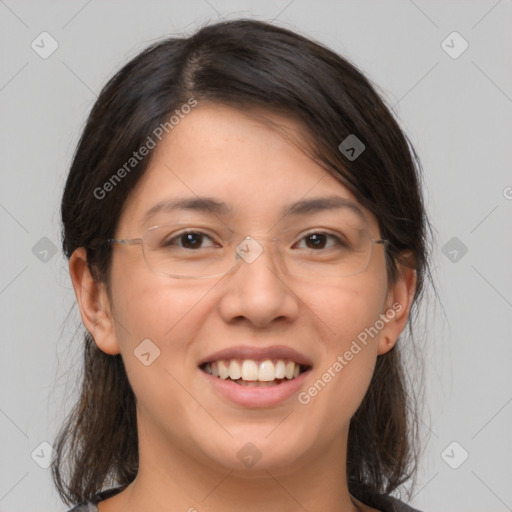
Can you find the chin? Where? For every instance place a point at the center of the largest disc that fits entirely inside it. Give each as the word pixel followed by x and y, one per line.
pixel 251 455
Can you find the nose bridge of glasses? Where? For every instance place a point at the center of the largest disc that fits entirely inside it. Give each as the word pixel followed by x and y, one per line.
pixel 252 247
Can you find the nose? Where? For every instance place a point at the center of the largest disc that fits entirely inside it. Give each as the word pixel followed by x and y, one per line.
pixel 256 290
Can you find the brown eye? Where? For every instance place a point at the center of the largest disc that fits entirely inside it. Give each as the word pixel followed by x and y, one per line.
pixel 189 240
pixel 316 241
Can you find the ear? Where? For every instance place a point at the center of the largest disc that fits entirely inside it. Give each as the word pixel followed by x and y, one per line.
pixel 93 302
pixel 397 306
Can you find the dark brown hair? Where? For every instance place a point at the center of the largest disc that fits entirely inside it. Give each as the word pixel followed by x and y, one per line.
pixel 242 63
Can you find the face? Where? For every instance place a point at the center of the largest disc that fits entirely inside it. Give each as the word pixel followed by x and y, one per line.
pixel 335 327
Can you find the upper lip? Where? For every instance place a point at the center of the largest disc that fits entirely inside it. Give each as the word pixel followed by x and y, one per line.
pixel 258 354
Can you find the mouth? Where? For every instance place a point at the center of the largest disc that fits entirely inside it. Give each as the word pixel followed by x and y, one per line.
pixel 255 373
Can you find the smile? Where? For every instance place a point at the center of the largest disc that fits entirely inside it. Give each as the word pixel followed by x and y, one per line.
pixel 248 372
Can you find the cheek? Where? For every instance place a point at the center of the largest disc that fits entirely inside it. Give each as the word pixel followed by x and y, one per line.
pixel 344 317
pixel 342 311
pixel 160 317
pixel 151 306
pixel 168 314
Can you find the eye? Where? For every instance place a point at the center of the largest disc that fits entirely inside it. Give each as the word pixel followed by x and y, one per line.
pixel 320 240
pixel 187 240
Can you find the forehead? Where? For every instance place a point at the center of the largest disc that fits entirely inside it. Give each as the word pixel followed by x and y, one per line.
pixel 253 164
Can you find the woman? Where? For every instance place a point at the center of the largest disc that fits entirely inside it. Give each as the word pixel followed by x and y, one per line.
pixel 247 237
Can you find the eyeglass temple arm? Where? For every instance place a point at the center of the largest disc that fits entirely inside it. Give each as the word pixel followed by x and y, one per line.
pixel 126 241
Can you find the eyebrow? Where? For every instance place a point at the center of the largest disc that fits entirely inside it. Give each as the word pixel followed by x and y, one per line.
pixel 216 207
pixel 199 204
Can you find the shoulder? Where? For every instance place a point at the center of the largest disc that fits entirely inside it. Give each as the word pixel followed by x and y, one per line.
pixel 91 505
pixel 390 504
pixel 381 502
pixel 85 507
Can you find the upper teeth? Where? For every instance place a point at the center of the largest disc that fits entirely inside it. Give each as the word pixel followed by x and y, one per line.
pixel 248 369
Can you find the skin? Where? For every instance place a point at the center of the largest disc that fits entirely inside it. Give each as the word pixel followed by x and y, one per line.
pixel 189 435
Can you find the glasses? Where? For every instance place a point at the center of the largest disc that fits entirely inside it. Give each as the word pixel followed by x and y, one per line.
pixel 185 252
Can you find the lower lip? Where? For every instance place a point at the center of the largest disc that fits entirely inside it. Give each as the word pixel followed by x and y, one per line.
pixel 264 396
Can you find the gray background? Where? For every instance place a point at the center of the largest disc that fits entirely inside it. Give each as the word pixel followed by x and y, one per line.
pixel 457 112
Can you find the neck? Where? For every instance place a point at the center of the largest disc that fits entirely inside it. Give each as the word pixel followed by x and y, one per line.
pixel 170 479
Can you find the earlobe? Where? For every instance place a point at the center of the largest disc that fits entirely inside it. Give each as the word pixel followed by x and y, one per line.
pixel 93 302
pixel 398 305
